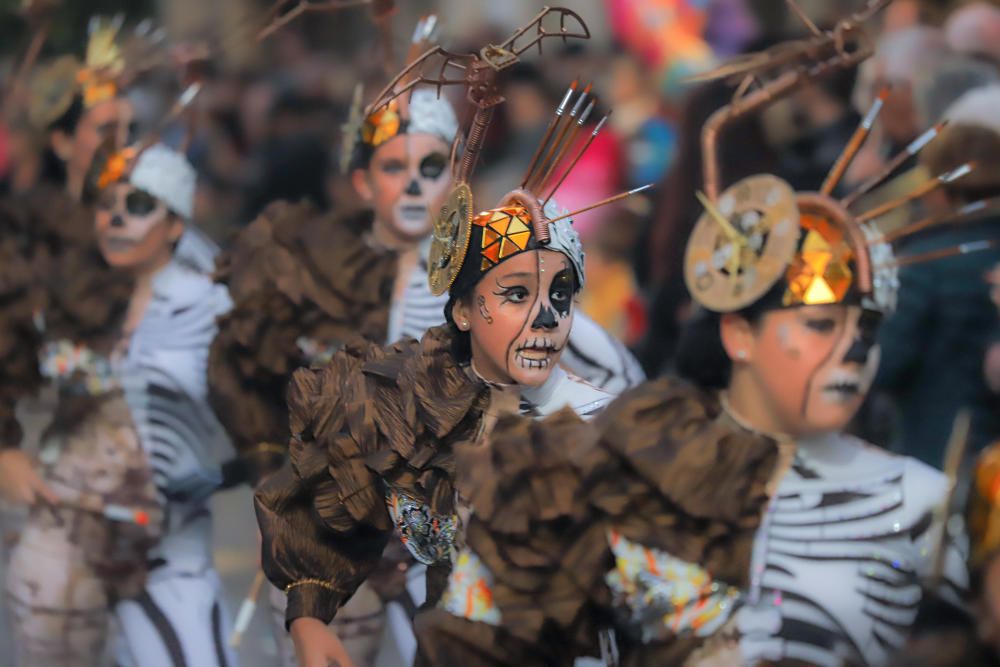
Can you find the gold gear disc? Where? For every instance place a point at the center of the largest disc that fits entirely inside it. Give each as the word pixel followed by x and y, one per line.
pixel 450 242
pixel 730 266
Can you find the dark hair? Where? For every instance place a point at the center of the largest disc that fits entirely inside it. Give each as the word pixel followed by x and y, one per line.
pixel 701 357
pixel 53 168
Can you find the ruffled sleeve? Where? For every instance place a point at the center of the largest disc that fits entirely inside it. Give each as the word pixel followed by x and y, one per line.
pixel 553 503
pixel 375 422
pixel 284 303
pixel 522 591
pixel 322 516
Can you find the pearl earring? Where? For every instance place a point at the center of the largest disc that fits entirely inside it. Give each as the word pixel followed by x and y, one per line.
pixel 465 325
pixel 742 354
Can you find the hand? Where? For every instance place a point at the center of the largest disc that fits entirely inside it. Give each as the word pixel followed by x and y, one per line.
pixel 20 483
pixel 317 646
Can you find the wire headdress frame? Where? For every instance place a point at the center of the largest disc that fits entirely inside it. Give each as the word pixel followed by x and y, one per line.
pixel 870 266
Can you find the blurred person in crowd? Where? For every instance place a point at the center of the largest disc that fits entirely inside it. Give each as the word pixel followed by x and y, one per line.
pixel 295 156
pixel 974 29
pixel 900 57
pixel 938 87
pixel 824 122
pixel 648 139
pixel 744 150
pixel 933 348
pixel 119 522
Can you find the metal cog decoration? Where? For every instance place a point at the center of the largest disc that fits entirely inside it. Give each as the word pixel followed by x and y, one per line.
pixel 743 243
pixel 450 243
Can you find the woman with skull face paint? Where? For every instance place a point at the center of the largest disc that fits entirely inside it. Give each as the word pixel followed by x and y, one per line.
pixel 130 458
pixel 383 436
pixel 304 284
pixel 726 519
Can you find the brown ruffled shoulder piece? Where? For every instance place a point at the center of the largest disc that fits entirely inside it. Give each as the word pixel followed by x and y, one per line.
pixel 695 484
pixel 658 466
pixel 293 273
pixel 375 417
pixel 382 412
pixel 533 527
pixel 50 265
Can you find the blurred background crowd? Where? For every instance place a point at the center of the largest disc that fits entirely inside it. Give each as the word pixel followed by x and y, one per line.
pixel 268 127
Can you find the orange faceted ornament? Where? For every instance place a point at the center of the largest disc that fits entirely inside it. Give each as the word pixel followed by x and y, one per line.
pixel 821 272
pixel 382 125
pixel 506 232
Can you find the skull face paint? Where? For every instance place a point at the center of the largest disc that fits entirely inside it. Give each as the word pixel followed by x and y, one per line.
pixel 529 298
pixel 406 183
pixel 814 365
pixel 134 229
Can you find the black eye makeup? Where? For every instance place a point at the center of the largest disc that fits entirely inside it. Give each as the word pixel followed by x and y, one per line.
pixel 561 292
pixel 140 203
pixel 515 294
pixel 433 166
pixel 823 325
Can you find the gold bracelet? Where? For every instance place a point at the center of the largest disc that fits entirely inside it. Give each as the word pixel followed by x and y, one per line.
pixel 270 448
pixel 310 582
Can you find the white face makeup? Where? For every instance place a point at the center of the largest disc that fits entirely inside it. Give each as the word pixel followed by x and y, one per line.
pixel 406 184
pixel 521 317
pixel 134 228
pixel 813 365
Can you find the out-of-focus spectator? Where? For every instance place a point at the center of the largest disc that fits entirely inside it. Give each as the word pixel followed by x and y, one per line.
pixel 823 122
pixel 899 59
pixel 975 30
pixel 649 140
pixel 933 347
pixel 937 88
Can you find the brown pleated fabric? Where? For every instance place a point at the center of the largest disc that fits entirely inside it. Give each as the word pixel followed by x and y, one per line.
pixel 661 465
pixel 292 273
pixel 50 266
pixel 374 417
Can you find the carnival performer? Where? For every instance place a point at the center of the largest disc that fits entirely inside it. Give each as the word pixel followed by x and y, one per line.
pixel 378 433
pixel 304 283
pixel 726 519
pixel 120 523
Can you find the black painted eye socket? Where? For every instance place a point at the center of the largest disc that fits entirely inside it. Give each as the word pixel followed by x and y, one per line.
pixel 433 165
pixel 823 325
pixel 140 203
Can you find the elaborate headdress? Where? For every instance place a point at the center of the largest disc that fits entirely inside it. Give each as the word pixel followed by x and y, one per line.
pixel 147 164
pixel 760 233
pixel 421 112
pixel 465 244
pixel 113 58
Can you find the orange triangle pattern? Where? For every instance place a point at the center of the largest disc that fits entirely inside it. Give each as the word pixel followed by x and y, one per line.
pixel 507 231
